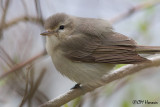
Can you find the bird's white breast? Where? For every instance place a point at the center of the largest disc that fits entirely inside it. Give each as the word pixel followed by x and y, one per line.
pixel 77 71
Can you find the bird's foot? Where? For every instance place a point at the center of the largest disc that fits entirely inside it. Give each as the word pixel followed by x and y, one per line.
pixel 76 86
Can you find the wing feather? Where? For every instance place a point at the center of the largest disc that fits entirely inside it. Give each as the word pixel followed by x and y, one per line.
pixel 113 48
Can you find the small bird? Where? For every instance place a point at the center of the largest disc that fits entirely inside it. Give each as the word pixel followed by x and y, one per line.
pixel 85 49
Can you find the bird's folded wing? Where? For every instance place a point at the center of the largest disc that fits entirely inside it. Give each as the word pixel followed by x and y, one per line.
pixel 113 48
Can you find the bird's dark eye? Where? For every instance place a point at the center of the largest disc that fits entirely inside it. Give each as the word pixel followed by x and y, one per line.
pixel 61 27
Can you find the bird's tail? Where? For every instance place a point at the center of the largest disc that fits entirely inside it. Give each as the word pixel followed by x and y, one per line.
pixel 148 49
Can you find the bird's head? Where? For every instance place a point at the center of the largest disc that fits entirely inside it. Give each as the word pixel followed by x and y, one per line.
pixel 59 25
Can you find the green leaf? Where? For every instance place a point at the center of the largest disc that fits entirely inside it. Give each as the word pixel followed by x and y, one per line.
pixel 119 66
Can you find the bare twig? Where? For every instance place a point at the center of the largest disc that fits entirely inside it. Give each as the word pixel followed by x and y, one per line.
pixel 21 65
pixel 134 9
pixel 25 7
pixel 6 56
pixel 37 84
pixel 38 9
pixel 24 18
pixel 119 73
pixel 5 12
pixel 29 94
pixel 2 22
pixel 26 87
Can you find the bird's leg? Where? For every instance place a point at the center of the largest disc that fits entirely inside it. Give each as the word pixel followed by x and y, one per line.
pixel 76 86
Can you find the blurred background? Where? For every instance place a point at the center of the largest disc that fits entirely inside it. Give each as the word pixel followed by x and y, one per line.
pixel 27 76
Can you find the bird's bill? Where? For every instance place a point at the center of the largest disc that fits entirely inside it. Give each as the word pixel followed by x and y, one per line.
pixel 46 33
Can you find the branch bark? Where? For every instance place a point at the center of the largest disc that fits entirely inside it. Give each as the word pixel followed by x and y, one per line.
pixel 117 74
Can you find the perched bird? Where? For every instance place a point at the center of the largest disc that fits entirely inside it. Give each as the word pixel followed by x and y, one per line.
pixel 85 49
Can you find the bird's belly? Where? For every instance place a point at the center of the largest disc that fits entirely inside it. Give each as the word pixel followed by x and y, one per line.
pixel 84 73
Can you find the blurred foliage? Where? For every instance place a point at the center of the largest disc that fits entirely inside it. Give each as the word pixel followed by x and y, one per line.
pixel 126 103
pixel 66 105
pixel 144 25
pixel 76 102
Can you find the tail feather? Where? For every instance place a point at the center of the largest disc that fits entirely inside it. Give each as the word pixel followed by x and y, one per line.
pixel 148 49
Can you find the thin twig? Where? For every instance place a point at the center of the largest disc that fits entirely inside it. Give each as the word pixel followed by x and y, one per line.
pixel 3 19
pixel 25 7
pixel 134 9
pixel 20 19
pixel 38 10
pixel 28 69
pixel 7 57
pixel 118 74
pixel 29 94
pixel 21 65
pixel 37 83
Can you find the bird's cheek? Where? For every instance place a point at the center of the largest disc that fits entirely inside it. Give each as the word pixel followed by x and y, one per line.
pixel 56 35
pixel 61 35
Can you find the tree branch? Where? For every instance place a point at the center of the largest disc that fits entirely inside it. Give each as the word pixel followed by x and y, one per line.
pixel 2 22
pixel 21 65
pixel 134 9
pixel 24 18
pixel 117 74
